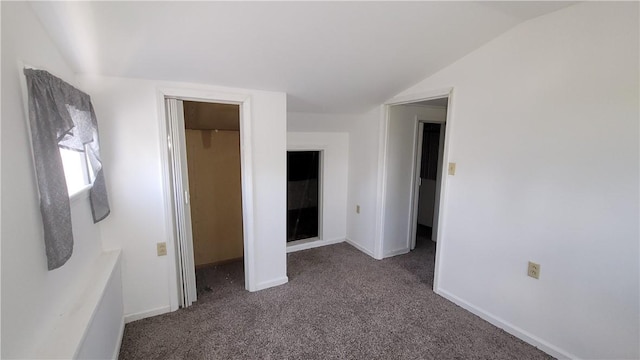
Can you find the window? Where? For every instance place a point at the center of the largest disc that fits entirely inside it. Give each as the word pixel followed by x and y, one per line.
pixel 303 174
pixel 62 117
pixel 76 170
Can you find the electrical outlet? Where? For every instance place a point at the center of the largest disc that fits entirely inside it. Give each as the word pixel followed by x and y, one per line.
pixel 533 270
pixel 162 248
pixel 452 168
pixel 357 209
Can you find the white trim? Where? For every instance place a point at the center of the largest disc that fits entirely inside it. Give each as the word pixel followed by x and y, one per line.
pixel 359 247
pixel 246 166
pixel 321 149
pixel 116 351
pixel 396 252
pixel 307 147
pixel 414 193
pixel 508 327
pixel 383 140
pixel 310 244
pixel 433 107
pixel 145 314
pixel 439 176
pixel 420 96
pixel 442 213
pixel 80 194
pixel 271 283
pixel 246 169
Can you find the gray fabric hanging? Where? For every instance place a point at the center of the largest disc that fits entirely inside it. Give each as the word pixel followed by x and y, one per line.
pixel 62 116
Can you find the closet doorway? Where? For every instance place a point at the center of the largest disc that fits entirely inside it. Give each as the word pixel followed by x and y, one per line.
pixel 212 138
pixel 209 181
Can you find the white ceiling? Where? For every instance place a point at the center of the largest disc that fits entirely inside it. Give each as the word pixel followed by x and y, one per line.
pixel 329 57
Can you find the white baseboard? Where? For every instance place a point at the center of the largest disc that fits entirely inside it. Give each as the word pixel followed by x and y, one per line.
pixel 116 351
pixel 396 252
pixel 359 247
pixel 312 243
pixel 145 314
pixel 272 283
pixel 508 327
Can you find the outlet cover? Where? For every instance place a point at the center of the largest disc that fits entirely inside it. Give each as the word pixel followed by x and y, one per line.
pixel 162 248
pixel 452 168
pixel 533 270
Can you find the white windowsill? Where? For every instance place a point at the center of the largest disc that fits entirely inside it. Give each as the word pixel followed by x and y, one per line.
pixel 310 243
pixel 80 194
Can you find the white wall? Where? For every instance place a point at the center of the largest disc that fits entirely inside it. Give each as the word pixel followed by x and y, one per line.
pixel 362 178
pixel 335 150
pixel 32 297
pixel 311 122
pixel 363 181
pixel 545 137
pixel 132 147
pixel 400 162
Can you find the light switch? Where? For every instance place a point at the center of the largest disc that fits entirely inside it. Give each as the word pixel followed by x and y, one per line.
pixel 452 168
pixel 357 209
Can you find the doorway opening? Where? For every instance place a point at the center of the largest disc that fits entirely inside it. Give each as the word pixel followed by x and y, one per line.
pixel 212 138
pixel 429 175
pixel 414 154
pixel 303 185
pixel 208 179
pixel 428 189
pixel 426 198
pixel 428 168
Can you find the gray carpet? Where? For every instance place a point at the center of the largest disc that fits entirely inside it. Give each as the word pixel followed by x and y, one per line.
pixel 339 304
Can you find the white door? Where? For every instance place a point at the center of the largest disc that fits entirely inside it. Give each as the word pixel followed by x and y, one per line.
pixel 182 210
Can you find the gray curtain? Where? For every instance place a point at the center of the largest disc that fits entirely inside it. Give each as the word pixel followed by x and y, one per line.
pixel 62 116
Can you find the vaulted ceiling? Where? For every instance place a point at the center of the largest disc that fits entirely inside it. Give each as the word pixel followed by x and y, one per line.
pixel 329 57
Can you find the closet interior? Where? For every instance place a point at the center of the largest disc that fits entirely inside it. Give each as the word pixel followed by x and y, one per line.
pixel 212 133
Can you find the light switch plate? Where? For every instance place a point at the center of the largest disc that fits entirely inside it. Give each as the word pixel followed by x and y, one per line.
pixel 357 209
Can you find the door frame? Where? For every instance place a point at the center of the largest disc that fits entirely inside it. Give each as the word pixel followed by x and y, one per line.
pixel 246 166
pixel 416 183
pixel 382 172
